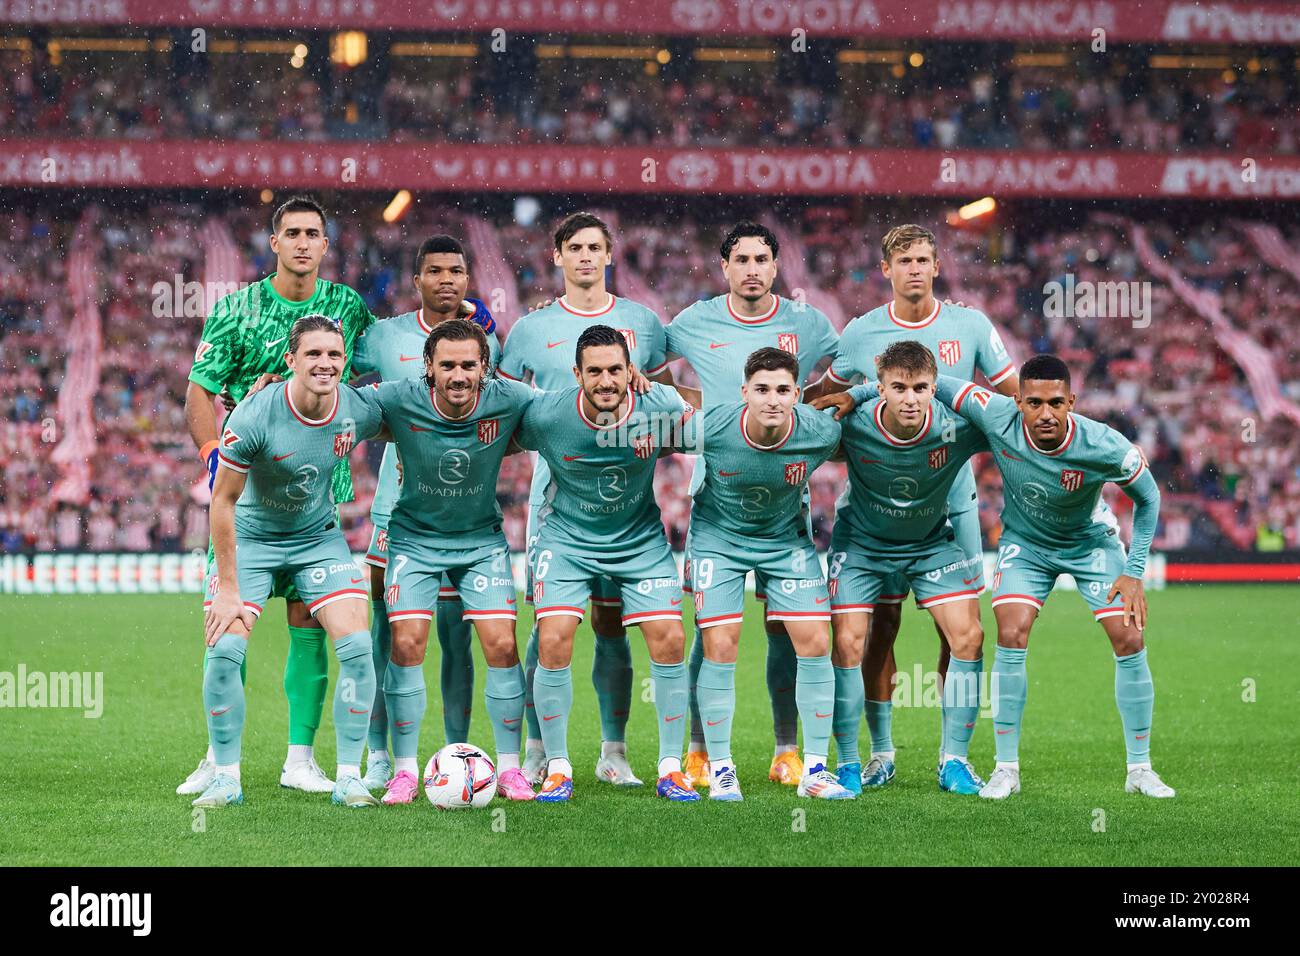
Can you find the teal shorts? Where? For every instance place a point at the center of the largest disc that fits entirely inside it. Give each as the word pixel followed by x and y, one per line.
pixel 416 572
pixel 565 575
pixel 320 567
pixel 604 592
pixel 863 575
pixel 377 556
pixel 787 570
pixel 1026 573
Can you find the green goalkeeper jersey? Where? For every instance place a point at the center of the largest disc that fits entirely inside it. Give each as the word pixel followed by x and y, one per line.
pixel 751 491
pixel 247 334
pixel 289 458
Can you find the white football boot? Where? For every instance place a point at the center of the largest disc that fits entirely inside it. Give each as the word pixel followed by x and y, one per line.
pixel 1145 781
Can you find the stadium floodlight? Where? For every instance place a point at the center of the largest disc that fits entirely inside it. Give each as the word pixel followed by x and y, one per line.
pixel 397 206
pixel 980 207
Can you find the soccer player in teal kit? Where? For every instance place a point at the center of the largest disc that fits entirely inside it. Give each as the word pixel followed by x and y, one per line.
pixel 540 349
pixel 716 336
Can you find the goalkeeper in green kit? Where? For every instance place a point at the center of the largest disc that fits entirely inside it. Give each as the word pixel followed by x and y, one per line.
pixel 245 336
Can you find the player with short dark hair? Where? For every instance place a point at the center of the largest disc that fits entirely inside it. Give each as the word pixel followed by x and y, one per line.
pixel 758 454
pixel 716 336
pixel 540 349
pixel 272 514
pixel 243 339
pixel 393 348
pixel 599 521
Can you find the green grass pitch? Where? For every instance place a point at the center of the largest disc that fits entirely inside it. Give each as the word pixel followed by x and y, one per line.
pixel 1225 659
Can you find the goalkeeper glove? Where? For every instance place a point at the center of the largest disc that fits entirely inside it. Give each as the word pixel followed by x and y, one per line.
pixel 477 311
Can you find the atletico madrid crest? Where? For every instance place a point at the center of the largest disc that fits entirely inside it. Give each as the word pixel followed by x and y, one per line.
pixel 788 342
pixel 643 446
pixel 381 541
pixel 538 588
pixel 228 438
pixel 699 601
pixel 390 596
pixel 796 473
pixel 487 431
pixel 343 443
pixel 950 352
pixel 630 336
pixel 939 457
pixel 1071 480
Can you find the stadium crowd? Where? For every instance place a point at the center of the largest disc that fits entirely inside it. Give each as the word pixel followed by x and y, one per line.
pixel 576 103
pixel 1229 477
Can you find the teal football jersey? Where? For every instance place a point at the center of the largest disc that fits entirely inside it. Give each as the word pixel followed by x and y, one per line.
pixel 599 494
pixel 394 348
pixel 542 346
pixel 1053 498
pixel 716 341
pixel 899 488
pixel 289 458
pixel 963 341
pixel 449 469
pixel 755 492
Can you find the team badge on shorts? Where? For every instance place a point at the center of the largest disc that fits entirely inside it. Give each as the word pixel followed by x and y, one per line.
pixel 950 352
pixel 788 342
pixel 630 336
pixel 939 457
pixel 796 473
pixel 381 541
pixel 1071 480
pixel 487 431
pixel 391 595
pixel 343 443
pixel 539 587
pixel 643 446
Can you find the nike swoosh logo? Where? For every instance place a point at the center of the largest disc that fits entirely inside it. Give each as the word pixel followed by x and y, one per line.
pixel 1141 736
pixel 417 428
pixel 552 717
pixel 970 580
pixel 353 710
pixel 219 711
pixel 969 726
pixel 510 600
pixel 668 720
pixel 728 474
pixel 675 603
pixel 573 457
pixel 409 358
pixel 820 600
pixel 1007 731
pixel 273 343
pixel 282 457
pixel 357 580
pixel 820 714
pixel 714 723
pixel 551 345
pixel 510 720
pixel 403 723
pixel 1007 454
pixel 718 345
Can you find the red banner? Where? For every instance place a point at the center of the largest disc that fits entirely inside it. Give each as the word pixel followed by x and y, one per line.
pixel 1194 21
pixel 628 169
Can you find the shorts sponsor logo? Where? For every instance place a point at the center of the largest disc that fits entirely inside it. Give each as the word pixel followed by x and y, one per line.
pixel 480 583
pixel 392 594
pixel 343 443
pixel 1071 479
pixel 488 430
pixel 788 586
pixel 939 456
pixel 934 575
pixel 788 342
pixel 317 575
pixel 949 351
pixel 796 473
pixel 645 587
pixel 630 336
pixel 643 446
